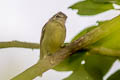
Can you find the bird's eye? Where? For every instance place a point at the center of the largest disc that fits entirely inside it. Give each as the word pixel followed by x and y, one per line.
pixel 57 16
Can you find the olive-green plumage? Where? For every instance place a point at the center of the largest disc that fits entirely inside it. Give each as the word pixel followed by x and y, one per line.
pixel 53 35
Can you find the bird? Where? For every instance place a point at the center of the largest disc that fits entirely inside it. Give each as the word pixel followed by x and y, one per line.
pixel 53 35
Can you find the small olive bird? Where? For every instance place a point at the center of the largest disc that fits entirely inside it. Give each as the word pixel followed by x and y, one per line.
pixel 53 35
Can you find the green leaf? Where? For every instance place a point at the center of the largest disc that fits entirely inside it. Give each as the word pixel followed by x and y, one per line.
pixel 117 2
pixel 83 32
pixel 91 8
pixel 111 41
pixel 115 76
pixel 107 1
pixel 71 62
pixel 103 1
pixel 79 74
pixel 97 65
pixel 86 30
pixel 95 68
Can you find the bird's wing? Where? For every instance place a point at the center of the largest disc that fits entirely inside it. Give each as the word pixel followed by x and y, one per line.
pixel 42 34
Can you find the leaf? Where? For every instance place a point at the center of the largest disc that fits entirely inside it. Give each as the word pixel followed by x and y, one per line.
pixel 71 62
pixel 91 8
pixel 111 41
pixel 83 32
pixel 115 76
pixel 103 1
pixel 79 74
pixel 117 2
pixel 107 1
pixel 97 65
pixel 86 30
pixel 95 68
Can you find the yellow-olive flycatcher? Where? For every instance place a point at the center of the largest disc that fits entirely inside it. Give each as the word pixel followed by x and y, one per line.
pixel 53 35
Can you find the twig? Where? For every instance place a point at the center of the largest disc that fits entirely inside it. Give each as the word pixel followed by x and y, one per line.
pixel 105 51
pixel 19 45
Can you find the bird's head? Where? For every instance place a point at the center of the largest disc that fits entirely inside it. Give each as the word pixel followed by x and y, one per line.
pixel 59 17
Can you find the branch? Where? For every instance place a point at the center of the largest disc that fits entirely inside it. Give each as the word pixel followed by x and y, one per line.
pixel 84 41
pixel 19 44
pixel 105 51
pixel 96 50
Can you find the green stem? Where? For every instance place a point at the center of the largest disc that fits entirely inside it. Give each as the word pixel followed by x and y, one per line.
pixel 19 45
pixel 105 51
pixel 33 71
